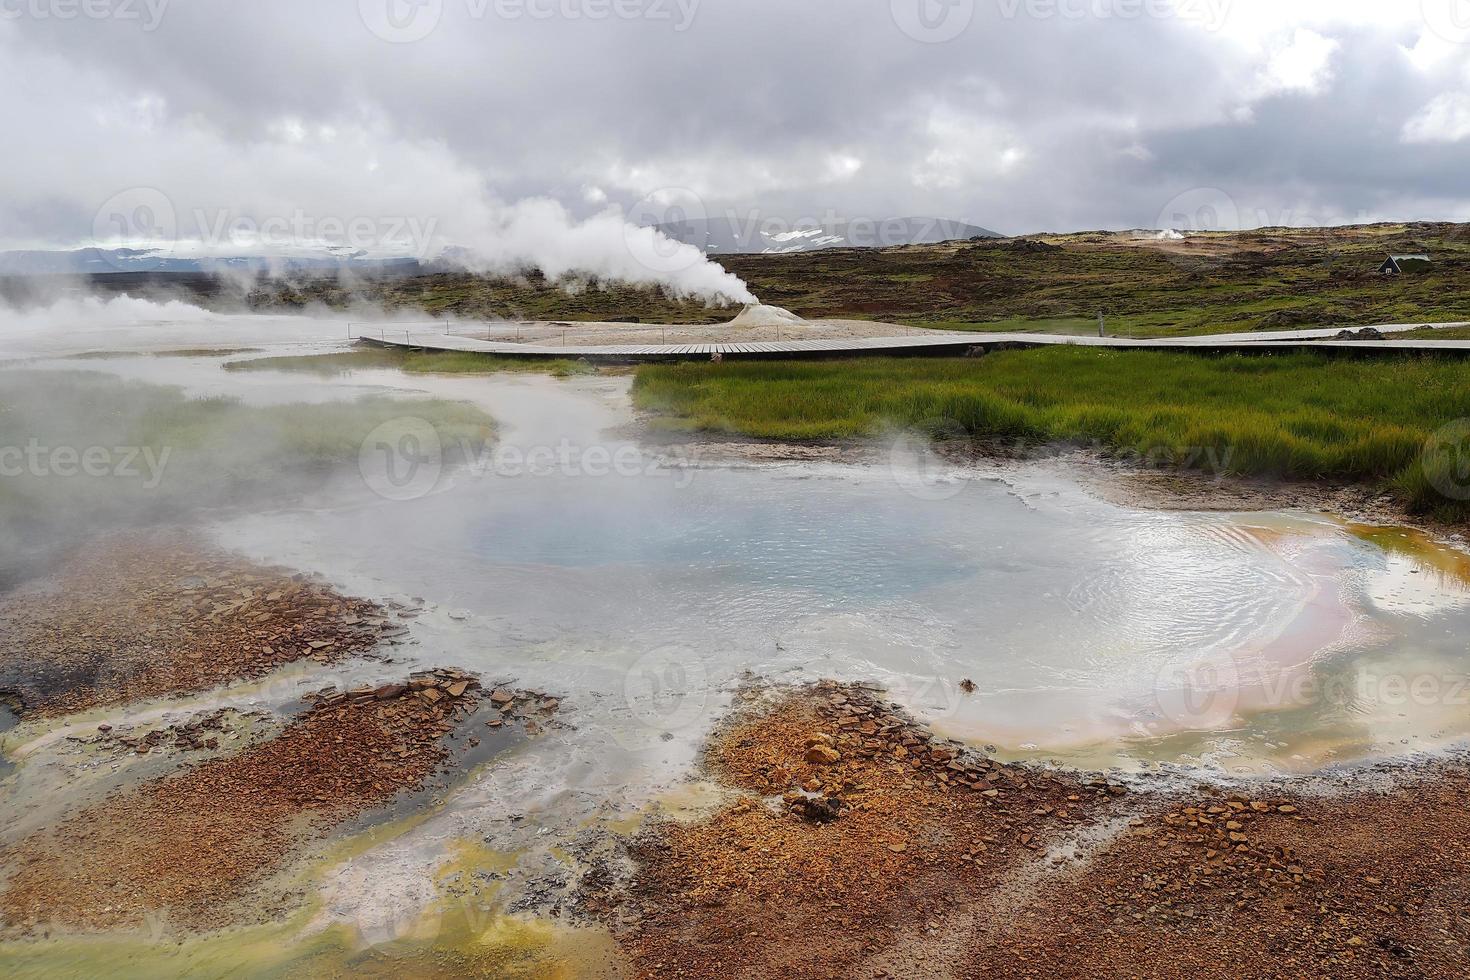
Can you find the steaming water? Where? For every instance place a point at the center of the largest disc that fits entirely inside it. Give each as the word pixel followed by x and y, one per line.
pixel 1094 634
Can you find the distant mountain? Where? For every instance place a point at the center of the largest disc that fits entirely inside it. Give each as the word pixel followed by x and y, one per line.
pixel 733 236
pixel 100 261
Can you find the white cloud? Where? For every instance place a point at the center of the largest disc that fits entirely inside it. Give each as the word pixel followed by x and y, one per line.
pixel 1444 120
pixel 1020 124
pixel 842 166
pixel 964 150
pixel 1302 65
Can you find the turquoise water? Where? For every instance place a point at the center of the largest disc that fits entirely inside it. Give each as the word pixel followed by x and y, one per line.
pixel 646 592
pixel 1091 631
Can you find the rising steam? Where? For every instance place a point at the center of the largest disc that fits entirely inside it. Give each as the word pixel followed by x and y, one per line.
pixel 540 233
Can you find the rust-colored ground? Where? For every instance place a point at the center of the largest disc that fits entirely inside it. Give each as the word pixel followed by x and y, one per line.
pixel 150 613
pixel 921 869
pixel 185 846
pixel 921 830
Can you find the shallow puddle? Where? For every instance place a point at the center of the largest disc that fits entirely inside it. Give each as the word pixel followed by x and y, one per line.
pixel 643 588
pixel 1005 607
pixel 1092 633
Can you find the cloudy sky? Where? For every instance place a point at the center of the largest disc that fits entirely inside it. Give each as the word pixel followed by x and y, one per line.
pixel 125 117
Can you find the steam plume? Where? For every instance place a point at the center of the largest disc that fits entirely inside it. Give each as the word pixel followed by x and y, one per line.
pixel 540 233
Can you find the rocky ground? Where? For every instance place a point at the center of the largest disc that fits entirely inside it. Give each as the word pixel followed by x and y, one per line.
pixel 861 846
pixel 144 614
pixel 184 847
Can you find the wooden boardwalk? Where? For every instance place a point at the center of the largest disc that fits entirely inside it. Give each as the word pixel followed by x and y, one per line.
pixel 938 344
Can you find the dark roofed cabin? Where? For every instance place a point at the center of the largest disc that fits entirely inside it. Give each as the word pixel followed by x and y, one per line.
pixel 1397 265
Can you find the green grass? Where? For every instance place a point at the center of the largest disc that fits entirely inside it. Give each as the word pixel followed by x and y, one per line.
pixel 411 363
pixel 1296 416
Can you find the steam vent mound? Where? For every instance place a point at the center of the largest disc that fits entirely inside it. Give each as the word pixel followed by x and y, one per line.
pixel 760 315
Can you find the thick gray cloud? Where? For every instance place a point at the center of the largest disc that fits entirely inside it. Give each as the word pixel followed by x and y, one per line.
pixel 1035 114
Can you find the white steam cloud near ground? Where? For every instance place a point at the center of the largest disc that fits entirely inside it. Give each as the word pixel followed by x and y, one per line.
pixel 542 233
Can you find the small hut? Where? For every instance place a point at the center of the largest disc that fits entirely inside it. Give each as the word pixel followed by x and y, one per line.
pixel 1398 265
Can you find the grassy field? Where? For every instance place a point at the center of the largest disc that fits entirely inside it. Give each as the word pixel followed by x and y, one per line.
pixel 410 362
pixel 1294 416
pixel 1267 279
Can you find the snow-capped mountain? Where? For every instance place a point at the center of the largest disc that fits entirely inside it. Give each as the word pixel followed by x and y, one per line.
pixel 733 235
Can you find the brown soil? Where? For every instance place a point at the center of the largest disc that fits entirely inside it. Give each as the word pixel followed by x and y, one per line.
pixel 901 860
pixel 146 614
pixel 1361 883
pixel 184 846
pixel 824 867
